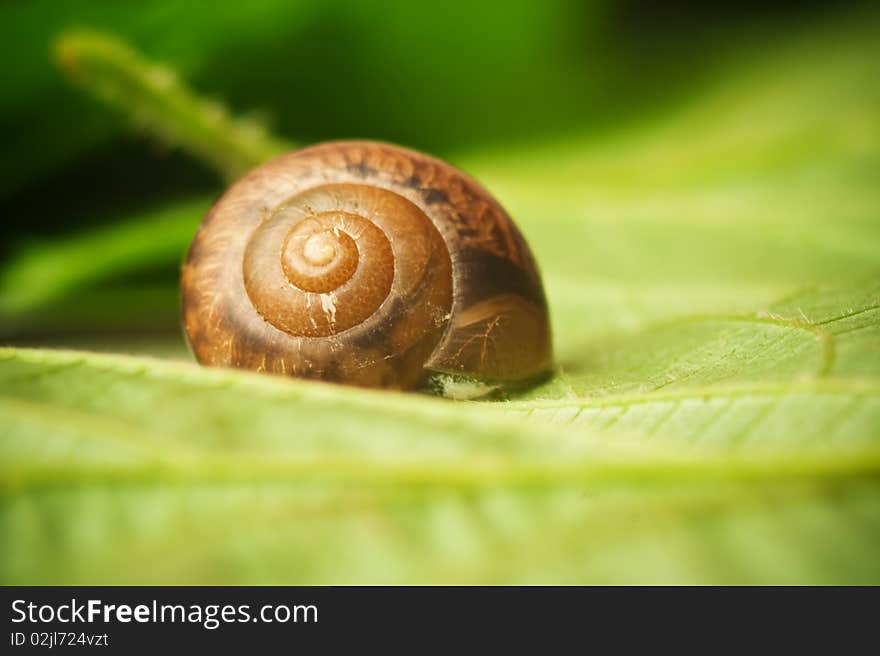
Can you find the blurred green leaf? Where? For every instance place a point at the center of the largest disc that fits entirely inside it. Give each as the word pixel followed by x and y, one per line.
pixel 766 183
pixel 46 274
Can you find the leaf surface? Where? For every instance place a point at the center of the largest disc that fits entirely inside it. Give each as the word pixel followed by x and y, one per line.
pixel 724 476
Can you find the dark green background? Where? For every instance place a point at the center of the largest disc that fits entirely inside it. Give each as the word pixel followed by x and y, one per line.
pixel 447 78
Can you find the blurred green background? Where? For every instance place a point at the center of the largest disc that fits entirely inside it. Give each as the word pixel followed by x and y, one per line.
pixel 700 184
pixel 525 97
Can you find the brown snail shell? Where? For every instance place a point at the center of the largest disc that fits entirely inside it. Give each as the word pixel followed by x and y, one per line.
pixel 364 263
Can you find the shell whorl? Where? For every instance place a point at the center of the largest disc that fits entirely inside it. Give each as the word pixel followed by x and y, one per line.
pixel 364 263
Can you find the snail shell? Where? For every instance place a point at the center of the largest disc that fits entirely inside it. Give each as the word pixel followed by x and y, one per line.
pixel 364 263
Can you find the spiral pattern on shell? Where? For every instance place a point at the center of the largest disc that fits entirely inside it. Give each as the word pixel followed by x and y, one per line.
pixel 364 263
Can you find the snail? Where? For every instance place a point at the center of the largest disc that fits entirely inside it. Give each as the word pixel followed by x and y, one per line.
pixel 369 264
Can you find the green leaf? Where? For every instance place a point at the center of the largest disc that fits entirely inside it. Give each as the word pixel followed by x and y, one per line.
pixel 124 469
pixel 814 334
pixel 67 285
